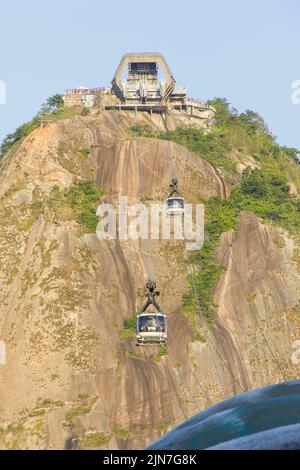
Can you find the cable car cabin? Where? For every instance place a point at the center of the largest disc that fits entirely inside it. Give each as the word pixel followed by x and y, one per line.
pixel 175 205
pixel 151 328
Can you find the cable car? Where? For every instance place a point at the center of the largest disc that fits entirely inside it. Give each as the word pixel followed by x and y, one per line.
pixel 175 202
pixel 152 326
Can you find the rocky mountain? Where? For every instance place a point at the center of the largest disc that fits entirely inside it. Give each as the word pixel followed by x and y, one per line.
pixel 73 376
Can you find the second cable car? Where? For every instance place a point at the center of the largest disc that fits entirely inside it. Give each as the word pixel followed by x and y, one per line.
pixel 152 326
pixel 175 202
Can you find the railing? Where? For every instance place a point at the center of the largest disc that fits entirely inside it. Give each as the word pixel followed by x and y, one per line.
pixel 85 91
pixel 197 103
pixel 136 88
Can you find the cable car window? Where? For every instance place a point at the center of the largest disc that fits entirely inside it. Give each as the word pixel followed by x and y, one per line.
pixel 175 203
pixel 152 323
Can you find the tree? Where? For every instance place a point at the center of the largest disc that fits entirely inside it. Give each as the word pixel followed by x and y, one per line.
pixel 292 153
pixel 224 111
pixel 54 103
pixel 256 124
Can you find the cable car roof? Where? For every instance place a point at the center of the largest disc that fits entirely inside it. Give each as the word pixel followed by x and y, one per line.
pixel 153 314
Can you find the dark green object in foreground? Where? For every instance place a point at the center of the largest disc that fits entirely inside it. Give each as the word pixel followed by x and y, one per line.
pixel 267 418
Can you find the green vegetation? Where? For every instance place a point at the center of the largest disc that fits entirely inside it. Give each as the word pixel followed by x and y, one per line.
pixel 213 147
pixel 261 191
pixel 129 323
pixel 86 152
pixel 48 403
pixel 162 427
pixel 92 440
pixel 37 412
pixel 129 328
pixel 85 111
pixel 264 191
pixel 12 140
pixel 82 198
pixel 53 104
pixel 163 351
pixel 79 411
pixel 52 110
pixel 82 409
pixel 121 432
pixel 61 113
pixel 30 424
pixel 144 130
pixel 221 218
pixel 233 136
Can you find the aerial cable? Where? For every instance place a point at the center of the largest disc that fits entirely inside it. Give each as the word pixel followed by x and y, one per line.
pixel 191 271
pixel 169 152
pixel 205 393
pixel 150 272
pixel 145 242
pixel 147 254
pixel 255 315
pixel 154 166
pixel 283 298
pixel 206 334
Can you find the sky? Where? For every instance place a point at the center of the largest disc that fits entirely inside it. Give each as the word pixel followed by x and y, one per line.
pixel 247 52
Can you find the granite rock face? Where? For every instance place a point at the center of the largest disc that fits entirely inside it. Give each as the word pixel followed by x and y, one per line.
pixel 70 372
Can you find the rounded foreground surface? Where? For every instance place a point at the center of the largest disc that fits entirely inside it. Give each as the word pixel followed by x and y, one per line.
pixel 267 418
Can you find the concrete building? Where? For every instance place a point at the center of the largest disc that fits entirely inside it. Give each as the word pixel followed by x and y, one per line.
pixel 148 86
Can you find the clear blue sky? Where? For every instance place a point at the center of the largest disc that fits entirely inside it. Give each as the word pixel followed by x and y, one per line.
pixel 247 52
